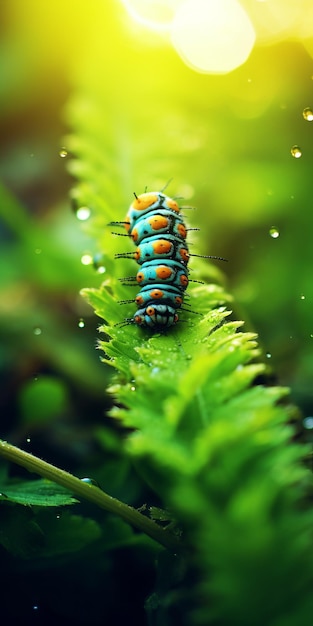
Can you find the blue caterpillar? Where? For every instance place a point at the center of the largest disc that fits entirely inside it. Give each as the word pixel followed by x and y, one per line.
pixel 155 225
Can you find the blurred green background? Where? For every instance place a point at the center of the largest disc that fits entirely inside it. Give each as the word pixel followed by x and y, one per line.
pixel 225 139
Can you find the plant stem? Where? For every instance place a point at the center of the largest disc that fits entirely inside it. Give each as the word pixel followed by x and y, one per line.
pixel 89 492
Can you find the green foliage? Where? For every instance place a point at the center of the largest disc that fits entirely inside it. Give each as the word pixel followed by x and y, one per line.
pixel 212 447
pixel 36 493
pixel 28 533
pixel 216 450
pixel 36 271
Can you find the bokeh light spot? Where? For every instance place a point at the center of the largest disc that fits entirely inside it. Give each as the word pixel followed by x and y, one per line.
pixel 212 37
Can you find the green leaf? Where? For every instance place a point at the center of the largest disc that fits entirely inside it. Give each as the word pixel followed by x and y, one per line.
pixel 36 493
pixel 66 533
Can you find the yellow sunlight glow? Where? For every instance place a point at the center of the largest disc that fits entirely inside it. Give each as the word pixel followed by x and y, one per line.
pixel 154 14
pixel 212 36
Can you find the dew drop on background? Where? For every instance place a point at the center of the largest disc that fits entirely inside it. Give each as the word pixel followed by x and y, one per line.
pixel 308 114
pixel 83 213
pixel 296 152
pixel 98 263
pixel 274 232
pixel 86 259
pixel 308 423
pixel 63 152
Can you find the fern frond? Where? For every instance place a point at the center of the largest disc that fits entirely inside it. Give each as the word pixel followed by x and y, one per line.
pixel 216 448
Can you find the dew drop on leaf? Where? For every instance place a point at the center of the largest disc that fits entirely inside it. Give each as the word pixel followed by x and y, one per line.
pixel 63 152
pixel 90 481
pixel 296 152
pixel 37 330
pixel 81 323
pixel 268 355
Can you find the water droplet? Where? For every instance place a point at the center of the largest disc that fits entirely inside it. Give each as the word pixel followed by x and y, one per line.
pixel 81 323
pixel 133 388
pixel 28 440
pixel 63 152
pixel 296 152
pixel 311 335
pixel 38 250
pixel 35 607
pixel 90 481
pixel 308 423
pixel 268 355
pixel 86 259
pixel 302 297
pixel 58 516
pixel 274 232
pixel 83 213
pixel 308 114
pixel 37 330
pixel 98 263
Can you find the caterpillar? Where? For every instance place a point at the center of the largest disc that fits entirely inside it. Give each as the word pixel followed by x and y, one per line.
pixel 156 226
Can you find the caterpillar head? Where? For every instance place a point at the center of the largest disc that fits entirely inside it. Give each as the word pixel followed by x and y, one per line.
pixel 157 316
